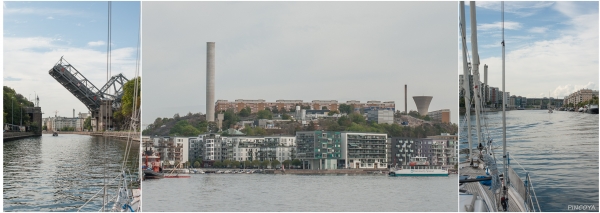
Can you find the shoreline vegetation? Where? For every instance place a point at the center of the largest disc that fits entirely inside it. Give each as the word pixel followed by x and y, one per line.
pixel 194 124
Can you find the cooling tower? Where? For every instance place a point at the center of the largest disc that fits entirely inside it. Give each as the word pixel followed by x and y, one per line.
pixel 422 103
pixel 210 81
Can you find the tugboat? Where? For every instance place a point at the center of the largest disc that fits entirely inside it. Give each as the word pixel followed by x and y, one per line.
pixel 152 169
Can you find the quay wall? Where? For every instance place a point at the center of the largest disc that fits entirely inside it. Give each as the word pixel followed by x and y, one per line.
pixel 135 136
pixel 7 136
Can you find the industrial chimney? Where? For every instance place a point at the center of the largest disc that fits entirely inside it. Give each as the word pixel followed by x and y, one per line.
pixel 405 100
pixel 485 82
pixel 210 81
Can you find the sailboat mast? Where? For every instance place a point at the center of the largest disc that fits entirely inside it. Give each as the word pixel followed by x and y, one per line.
pixel 466 84
pixel 475 68
pixel 504 159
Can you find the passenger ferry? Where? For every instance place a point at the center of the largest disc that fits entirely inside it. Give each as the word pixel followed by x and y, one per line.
pixel 419 167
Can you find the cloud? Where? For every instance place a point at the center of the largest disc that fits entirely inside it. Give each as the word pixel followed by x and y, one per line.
pixel 521 9
pixel 538 30
pixel 29 59
pixel 96 43
pixel 508 25
pixel 565 90
pixel 8 78
pixel 41 11
pixel 50 17
pixel 560 65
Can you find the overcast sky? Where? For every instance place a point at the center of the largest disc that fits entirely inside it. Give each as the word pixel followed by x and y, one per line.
pixel 551 47
pixel 298 50
pixel 37 34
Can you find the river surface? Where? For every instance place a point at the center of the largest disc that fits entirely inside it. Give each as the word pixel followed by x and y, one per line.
pixel 61 173
pixel 560 150
pixel 300 193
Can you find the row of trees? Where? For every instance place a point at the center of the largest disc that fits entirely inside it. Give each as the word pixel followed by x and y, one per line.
pixel 12 107
pixel 122 116
pixel 356 122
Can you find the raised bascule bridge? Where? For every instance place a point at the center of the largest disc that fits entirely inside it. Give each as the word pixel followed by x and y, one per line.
pixel 101 102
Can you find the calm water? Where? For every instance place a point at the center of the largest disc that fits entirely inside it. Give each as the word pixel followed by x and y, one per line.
pixel 297 193
pixel 59 173
pixel 560 150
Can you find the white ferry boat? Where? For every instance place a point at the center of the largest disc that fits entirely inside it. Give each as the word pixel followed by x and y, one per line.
pixel 419 167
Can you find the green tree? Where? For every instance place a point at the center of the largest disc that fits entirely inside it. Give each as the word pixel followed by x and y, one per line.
pixel 44 127
pixel 229 119
pixel 296 162
pixel 217 164
pixel 235 164
pixel 344 121
pixel 324 108
pixel 255 163
pixel 265 163
pixel 287 163
pixel 357 118
pixel 285 117
pixel 227 163
pixel 275 163
pixel 274 109
pixel 330 113
pixel 87 124
pixel 264 114
pixel 245 112
pixel 196 164
pixel 247 163
pixel 283 110
pixel 345 108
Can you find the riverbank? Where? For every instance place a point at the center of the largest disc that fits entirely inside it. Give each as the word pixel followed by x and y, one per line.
pixel 134 136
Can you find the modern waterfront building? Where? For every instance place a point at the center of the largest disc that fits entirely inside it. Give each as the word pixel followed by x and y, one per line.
pixel 449 150
pixel 171 151
pixel 441 150
pixel 319 149
pixel 213 147
pixel 363 150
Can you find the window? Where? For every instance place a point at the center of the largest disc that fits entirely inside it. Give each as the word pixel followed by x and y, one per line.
pixel 324 155
pixel 324 145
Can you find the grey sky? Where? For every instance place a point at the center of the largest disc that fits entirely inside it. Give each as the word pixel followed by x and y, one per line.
pixel 299 50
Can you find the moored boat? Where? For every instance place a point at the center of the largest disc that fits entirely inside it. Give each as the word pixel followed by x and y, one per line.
pixel 593 109
pixel 419 167
pixel 152 169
